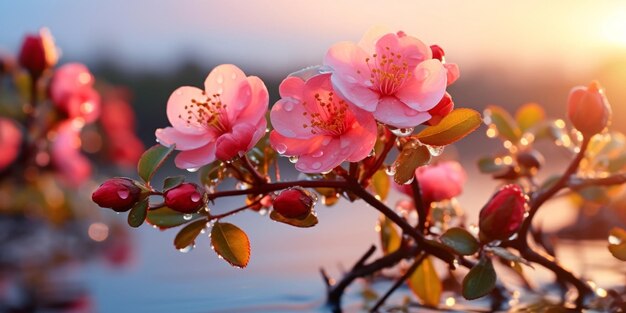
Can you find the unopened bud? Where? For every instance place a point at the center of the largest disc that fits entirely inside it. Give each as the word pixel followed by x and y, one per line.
pixel 185 198
pixel 294 203
pixel 502 216
pixel 588 109
pixel 119 194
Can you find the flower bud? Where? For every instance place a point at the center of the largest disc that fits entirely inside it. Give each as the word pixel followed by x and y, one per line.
pixel 503 214
pixel 588 109
pixel 294 203
pixel 437 52
pixel 185 198
pixel 119 194
pixel 38 53
pixel 443 108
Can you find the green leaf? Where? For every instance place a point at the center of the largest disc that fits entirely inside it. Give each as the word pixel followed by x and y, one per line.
pixel 165 217
pixel 309 221
pixel 508 255
pixel 231 243
pixel 151 160
pixel 460 240
pixel 411 157
pixel 506 126
pixel 480 280
pixel 425 283
pixel 390 239
pixel 138 213
pixel 488 165
pixel 381 184
pixel 617 243
pixel 454 126
pixel 172 182
pixel 187 236
pixel 529 116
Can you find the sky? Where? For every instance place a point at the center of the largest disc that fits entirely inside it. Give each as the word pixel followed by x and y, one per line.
pixel 282 34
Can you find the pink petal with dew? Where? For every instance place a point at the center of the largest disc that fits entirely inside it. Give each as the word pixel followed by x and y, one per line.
pixel 410 49
pixel 169 135
pixel 361 137
pixel 361 96
pixel 427 86
pixel 259 131
pixel 193 159
pixel 178 107
pixel 392 111
pixel 349 62
pixel 287 118
pixel 257 107
pixel 291 87
pixel 235 143
pixel 453 72
pixel 295 147
pixel 324 158
pixel 231 84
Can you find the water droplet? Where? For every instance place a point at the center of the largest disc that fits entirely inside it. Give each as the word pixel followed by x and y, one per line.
pixel 410 181
pixel 293 159
pixel 281 148
pixel 326 141
pixel 318 153
pixel 267 130
pixel 316 165
pixel 288 106
pixel 390 170
pixel 233 76
pixel 157 140
pixel 326 172
pixel 220 79
pixel 187 217
pixel 179 93
pixel 123 193
pixel 614 240
pixel 187 248
pixel 195 197
pixel 402 132
pixel 372 153
pixel 263 212
pixel 241 186
pixel 435 150
pixel 193 169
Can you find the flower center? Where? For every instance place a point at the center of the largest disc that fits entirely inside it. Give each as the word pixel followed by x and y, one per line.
pixel 330 118
pixel 208 112
pixel 388 71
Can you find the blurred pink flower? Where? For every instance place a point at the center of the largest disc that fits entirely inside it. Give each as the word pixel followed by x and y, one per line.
pixel 318 126
pixel 71 165
pixel 10 142
pixel 118 121
pixel 392 75
pixel 72 92
pixel 225 120
pixel 438 182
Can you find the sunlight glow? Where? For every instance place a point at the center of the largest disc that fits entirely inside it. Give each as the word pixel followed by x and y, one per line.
pixel 614 27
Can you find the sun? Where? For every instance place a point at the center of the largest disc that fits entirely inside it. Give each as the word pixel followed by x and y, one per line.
pixel 614 27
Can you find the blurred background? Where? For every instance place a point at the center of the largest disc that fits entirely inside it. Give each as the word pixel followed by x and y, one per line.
pixel 509 54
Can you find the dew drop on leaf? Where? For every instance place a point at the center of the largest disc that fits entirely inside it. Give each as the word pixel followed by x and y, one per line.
pixel 435 150
pixel 187 217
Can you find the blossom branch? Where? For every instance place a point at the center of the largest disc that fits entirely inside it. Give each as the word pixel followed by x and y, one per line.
pixel 398 282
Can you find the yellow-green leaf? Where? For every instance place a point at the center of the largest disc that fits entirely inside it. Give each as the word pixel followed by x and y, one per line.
pixel 165 217
pixel 411 157
pixel 454 126
pixel 617 243
pixel 390 239
pixel 506 126
pixel 529 115
pixel 381 184
pixel 425 283
pixel 231 243
pixel 309 221
pixel 151 160
pixel 138 213
pixel 187 236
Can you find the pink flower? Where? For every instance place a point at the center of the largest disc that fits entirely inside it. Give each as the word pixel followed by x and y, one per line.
pixel 72 166
pixel 392 75
pixel 10 142
pixel 225 120
pixel 438 182
pixel 118 122
pixel 318 126
pixel 72 92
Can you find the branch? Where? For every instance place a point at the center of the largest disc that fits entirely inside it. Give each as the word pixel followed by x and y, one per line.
pixel 422 213
pixel 266 188
pixel 398 283
pixel 578 183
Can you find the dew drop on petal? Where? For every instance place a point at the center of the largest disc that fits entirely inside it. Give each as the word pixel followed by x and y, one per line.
pixel 281 148
pixel 195 197
pixel 233 76
pixel 187 217
pixel 293 159
pixel 123 193
pixel 220 79
pixel 316 165
pixel 288 106
pixel 193 169
pixel 326 141
pixel 318 153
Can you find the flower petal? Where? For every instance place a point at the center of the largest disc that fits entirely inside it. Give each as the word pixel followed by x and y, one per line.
pixel 170 135
pixel 324 158
pixel 392 111
pixel 359 95
pixel 293 146
pixel 259 131
pixel 369 39
pixel 348 61
pixel 407 48
pixel 427 86
pixel 362 138
pixel 231 84
pixel 452 71
pixel 291 87
pixel 259 100
pixel 192 159
pixel 287 117
pixel 178 110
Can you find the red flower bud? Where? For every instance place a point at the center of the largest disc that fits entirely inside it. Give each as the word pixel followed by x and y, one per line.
pixel 503 214
pixel 294 203
pixel 38 53
pixel 185 198
pixel 443 108
pixel 437 52
pixel 588 109
pixel 119 194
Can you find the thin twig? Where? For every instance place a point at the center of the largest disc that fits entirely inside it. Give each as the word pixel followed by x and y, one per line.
pixel 398 282
pixel 422 213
